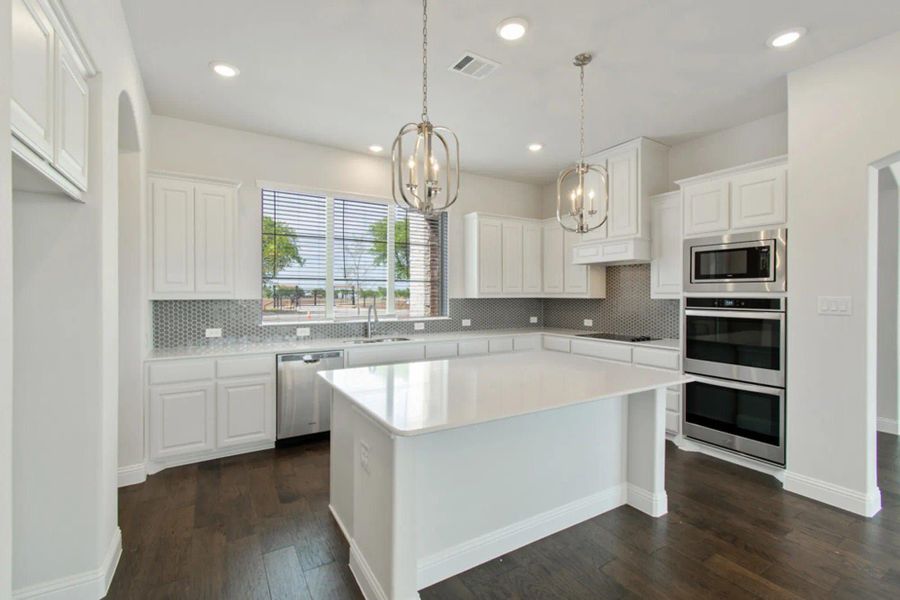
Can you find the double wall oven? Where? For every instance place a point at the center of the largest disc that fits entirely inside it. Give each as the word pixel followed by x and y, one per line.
pixel 735 346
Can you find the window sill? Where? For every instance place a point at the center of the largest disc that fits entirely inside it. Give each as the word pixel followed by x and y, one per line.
pixel 349 321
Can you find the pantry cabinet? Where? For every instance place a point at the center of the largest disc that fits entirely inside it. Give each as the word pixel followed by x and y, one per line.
pixel 192 237
pixel 49 99
pixel 748 197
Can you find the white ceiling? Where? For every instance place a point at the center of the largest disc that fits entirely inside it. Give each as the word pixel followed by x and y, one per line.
pixel 346 73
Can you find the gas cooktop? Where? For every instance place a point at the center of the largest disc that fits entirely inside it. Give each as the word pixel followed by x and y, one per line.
pixel 619 337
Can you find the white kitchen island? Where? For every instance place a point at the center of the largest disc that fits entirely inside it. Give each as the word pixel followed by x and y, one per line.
pixel 440 466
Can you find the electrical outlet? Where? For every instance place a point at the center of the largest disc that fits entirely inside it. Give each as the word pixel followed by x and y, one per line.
pixel 532 320
pixel 467 322
pixel 214 332
pixel 418 326
pixel 588 322
pixel 303 332
pixel 364 456
pixel 835 306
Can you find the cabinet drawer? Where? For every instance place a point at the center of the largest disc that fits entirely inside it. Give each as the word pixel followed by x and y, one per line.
pixel 500 345
pixel 436 350
pixel 557 344
pixel 473 347
pixel 242 367
pixel 362 357
pixel 180 370
pixel 619 352
pixel 526 342
pixel 673 422
pixel 673 401
pixel 653 357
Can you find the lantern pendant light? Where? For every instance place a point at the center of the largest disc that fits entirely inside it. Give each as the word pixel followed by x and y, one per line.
pixel 425 157
pixel 582 189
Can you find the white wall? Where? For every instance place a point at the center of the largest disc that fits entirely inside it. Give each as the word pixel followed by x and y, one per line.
pixel 843 115
pixel 190 147
pixel 66 343
pixel 6 314
pixel 749 142
pixel 888 299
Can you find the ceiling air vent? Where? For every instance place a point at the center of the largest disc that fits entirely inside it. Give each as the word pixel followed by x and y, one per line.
pixel 472 65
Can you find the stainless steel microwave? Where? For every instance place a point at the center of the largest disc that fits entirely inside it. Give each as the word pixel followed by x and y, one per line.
pixel 737 262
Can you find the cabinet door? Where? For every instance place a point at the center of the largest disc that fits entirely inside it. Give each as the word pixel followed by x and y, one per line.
pixel 706 208
pixel 32 82
pixel 512 257
pixel 531 257
pixel 759 198
pixel 246 410
pixel 623 194
pixel 172 209
pixel 574 276
pixel 182 418
pixel 665 247
pixel 214 239
pixel 490 257
pixel 70 152
pixel 553 259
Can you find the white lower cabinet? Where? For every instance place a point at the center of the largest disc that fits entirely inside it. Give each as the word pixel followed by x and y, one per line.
pixel 524 343
pixel 436 350
pixel 501 344
pixel 673 422
pixel 473 347
pixel 604 350
pixel 557 344
pixel 182 419
pixel 245 411
pixel 385 355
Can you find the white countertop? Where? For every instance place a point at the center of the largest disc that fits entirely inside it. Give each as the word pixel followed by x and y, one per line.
pixel 233 347
pixel 422 397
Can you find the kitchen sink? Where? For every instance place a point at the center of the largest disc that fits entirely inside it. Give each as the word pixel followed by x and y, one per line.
pixel 379 340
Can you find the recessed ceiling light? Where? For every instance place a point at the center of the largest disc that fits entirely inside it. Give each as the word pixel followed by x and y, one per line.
pixel 786 38
pixel 375 148
pixel 224 69
pixel 535 147
pixel 512 29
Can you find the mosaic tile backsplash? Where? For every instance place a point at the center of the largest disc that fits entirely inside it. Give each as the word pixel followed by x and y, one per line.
pixel 627 309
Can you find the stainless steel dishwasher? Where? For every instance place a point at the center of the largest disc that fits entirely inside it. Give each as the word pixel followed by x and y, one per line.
pixel 304 399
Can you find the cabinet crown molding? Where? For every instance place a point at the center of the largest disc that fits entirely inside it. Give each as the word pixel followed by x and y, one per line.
pixel 195 178
pixel 774 161
pixel 70 34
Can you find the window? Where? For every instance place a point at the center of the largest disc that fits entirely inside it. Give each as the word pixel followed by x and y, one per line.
pixel 327 257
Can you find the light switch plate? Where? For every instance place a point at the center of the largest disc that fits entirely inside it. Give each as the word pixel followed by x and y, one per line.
pixel 467 322
pixel 303 332
pixel 419 326
pixel 364 456
pixel 835 306
pixel 532 320
pixel 214 332
pixel 588 322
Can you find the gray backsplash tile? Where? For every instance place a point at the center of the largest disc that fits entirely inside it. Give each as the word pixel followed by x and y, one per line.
pixel 627 309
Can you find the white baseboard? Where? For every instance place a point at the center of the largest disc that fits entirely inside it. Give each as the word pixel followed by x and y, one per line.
pixel 888 426
pixel 340 523
pixel 835 495
pixel 737 459
pixel 89 585
pixel 655 505
pixel 157 466
pixel 464 556
pixel 365 578
pixel 132 474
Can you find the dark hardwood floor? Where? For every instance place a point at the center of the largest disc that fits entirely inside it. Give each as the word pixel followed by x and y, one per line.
pixel 258 526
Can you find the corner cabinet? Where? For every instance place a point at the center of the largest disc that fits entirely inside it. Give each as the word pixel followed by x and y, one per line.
pixel 49 100
pixel 192 225
pixel 665 246
pixel 637 170
pixel 508 257
pixel 752 196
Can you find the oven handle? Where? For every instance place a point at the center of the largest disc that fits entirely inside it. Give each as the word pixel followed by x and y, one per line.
pixel 747 387
pixel 737 314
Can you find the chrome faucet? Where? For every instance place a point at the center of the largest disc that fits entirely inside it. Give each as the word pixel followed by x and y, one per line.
pixel 369 323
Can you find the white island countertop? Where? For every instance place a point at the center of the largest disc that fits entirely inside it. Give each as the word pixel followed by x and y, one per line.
pixel 421 397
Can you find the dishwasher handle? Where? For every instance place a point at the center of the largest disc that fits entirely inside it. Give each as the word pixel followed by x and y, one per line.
pixel 310 358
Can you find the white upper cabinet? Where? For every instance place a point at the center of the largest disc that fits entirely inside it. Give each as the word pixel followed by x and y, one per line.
pixel 490 256
pixel 532 266
pixel 512 257
pixel 748 197
pixel 554 257
pixel 575 277
pixel 49 98
pixel 32 87
pixel 192 237
pixel 665 246
pixel 636 170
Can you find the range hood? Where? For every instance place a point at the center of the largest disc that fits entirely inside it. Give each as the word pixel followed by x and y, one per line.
pixel 622 252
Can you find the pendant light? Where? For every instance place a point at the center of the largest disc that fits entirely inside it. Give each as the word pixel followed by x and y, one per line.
pixel 582 189
pixel 425 157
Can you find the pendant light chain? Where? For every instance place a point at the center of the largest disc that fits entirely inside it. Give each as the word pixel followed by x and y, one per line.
pixel 425 60
pixel 581 131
